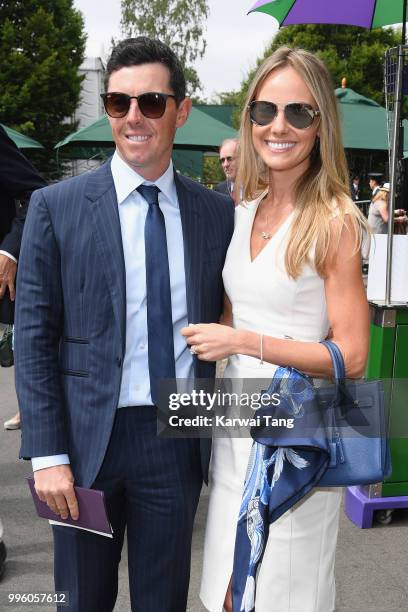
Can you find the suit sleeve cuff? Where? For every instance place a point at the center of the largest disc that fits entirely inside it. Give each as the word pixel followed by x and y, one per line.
pixel 8 255
pixel 40 463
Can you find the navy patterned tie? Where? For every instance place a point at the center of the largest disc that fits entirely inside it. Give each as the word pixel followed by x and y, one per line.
pixel 159 312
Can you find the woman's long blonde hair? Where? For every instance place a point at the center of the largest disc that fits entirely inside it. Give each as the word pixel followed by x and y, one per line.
pixel 383 194
pixel 324 185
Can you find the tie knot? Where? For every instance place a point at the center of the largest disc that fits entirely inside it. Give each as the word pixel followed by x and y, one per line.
pixel 150 193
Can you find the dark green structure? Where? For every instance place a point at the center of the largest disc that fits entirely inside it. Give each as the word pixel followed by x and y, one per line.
pixel 220 112
pixel 388 360
pixel 20 140
pixel 202 133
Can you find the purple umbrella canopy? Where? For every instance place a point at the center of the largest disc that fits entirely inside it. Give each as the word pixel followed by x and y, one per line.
pixel 363 13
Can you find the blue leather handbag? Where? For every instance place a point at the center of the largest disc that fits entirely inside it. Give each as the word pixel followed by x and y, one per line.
pixel 356 428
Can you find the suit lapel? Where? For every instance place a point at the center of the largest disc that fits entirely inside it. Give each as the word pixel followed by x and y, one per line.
pixel 193 246
pixel 105 217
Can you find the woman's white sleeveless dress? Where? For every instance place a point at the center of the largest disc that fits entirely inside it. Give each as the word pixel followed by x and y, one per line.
pixel 297 572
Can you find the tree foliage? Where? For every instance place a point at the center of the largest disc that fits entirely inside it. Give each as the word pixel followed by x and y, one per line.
pixel 351 52
pixel 212 170
pixel 42 44
pixel 178 23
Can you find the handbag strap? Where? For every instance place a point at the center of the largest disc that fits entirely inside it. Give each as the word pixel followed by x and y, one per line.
pixel 343 399
pixel 339 370
pixel 339 376
pixel 337 361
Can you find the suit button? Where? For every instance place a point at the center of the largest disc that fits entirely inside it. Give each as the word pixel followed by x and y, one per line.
pixel 119 361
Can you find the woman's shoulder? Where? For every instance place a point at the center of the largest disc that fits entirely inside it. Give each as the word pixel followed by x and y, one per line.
pixel 251 204
pixel 244 209
pixel 379 198
pixel 346 216
pixel 341 206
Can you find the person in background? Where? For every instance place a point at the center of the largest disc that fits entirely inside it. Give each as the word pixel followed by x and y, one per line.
pixel 355 188
pixel 375 180
pixel 18 178
pixel 229 162
pixel 113 264
pixel 378 213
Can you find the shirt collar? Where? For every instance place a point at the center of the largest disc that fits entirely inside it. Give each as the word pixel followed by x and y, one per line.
pixel 126 180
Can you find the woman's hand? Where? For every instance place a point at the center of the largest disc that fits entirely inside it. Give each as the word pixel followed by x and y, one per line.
pixel 211 341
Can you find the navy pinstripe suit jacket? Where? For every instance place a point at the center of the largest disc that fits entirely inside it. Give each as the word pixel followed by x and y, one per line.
pixel 71 310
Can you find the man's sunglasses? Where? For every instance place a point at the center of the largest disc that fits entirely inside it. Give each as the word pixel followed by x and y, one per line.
pixel 300 116
pixel 151 104
pixel 228 159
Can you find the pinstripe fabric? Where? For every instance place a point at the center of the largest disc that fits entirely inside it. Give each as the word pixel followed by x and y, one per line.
pixel 156 496
pixel 69 350
pixel 207 221
pixel 70 310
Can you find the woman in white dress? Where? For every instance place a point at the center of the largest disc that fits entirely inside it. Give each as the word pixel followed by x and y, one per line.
pixel 292 273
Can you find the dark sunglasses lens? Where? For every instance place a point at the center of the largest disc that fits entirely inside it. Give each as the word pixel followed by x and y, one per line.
pixel 262 113
pixel 116 104
pixel 298 116
pixel 152 105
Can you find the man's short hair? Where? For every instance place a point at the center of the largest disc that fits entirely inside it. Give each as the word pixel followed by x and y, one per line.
pixel 376 176
pixel 227 140
pixel 144 50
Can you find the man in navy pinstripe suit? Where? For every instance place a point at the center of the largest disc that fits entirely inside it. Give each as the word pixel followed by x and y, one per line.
pixel 92 319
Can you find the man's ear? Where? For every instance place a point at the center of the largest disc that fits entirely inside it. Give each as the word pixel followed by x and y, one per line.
pixel 183 111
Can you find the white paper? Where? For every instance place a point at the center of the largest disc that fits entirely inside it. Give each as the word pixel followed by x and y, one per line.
pixel 102 533
pixel 377 269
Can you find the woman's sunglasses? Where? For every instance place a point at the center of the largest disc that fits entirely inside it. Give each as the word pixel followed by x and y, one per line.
pixel 152 104
pixel 300 116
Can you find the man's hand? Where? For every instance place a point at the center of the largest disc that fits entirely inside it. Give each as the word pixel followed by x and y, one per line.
pixel 55 486
pixel 8 269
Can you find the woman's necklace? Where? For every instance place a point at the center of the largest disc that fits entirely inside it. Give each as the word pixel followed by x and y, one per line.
pixel 264 233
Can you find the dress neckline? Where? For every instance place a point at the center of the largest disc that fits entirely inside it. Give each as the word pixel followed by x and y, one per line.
pixel 272 238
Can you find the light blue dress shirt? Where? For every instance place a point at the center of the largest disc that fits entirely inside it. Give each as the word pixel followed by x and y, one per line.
pixel 135 386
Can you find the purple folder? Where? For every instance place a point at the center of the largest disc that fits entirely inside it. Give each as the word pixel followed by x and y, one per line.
pixel 92 511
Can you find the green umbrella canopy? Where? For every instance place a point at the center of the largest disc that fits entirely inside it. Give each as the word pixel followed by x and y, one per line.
pixel 221 112
pixel 203 131
pixel 200 132
pixel 22 142
pixel 364 122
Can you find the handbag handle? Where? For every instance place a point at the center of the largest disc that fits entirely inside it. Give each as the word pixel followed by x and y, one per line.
pixel 337 361
pixel 343 399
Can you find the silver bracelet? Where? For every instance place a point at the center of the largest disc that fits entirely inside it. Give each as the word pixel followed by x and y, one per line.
pixel 261 351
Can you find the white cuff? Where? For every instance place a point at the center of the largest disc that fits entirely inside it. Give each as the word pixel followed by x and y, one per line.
pixel 40 463
pixel 8 255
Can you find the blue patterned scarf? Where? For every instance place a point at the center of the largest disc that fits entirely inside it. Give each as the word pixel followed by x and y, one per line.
pixel 284 465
